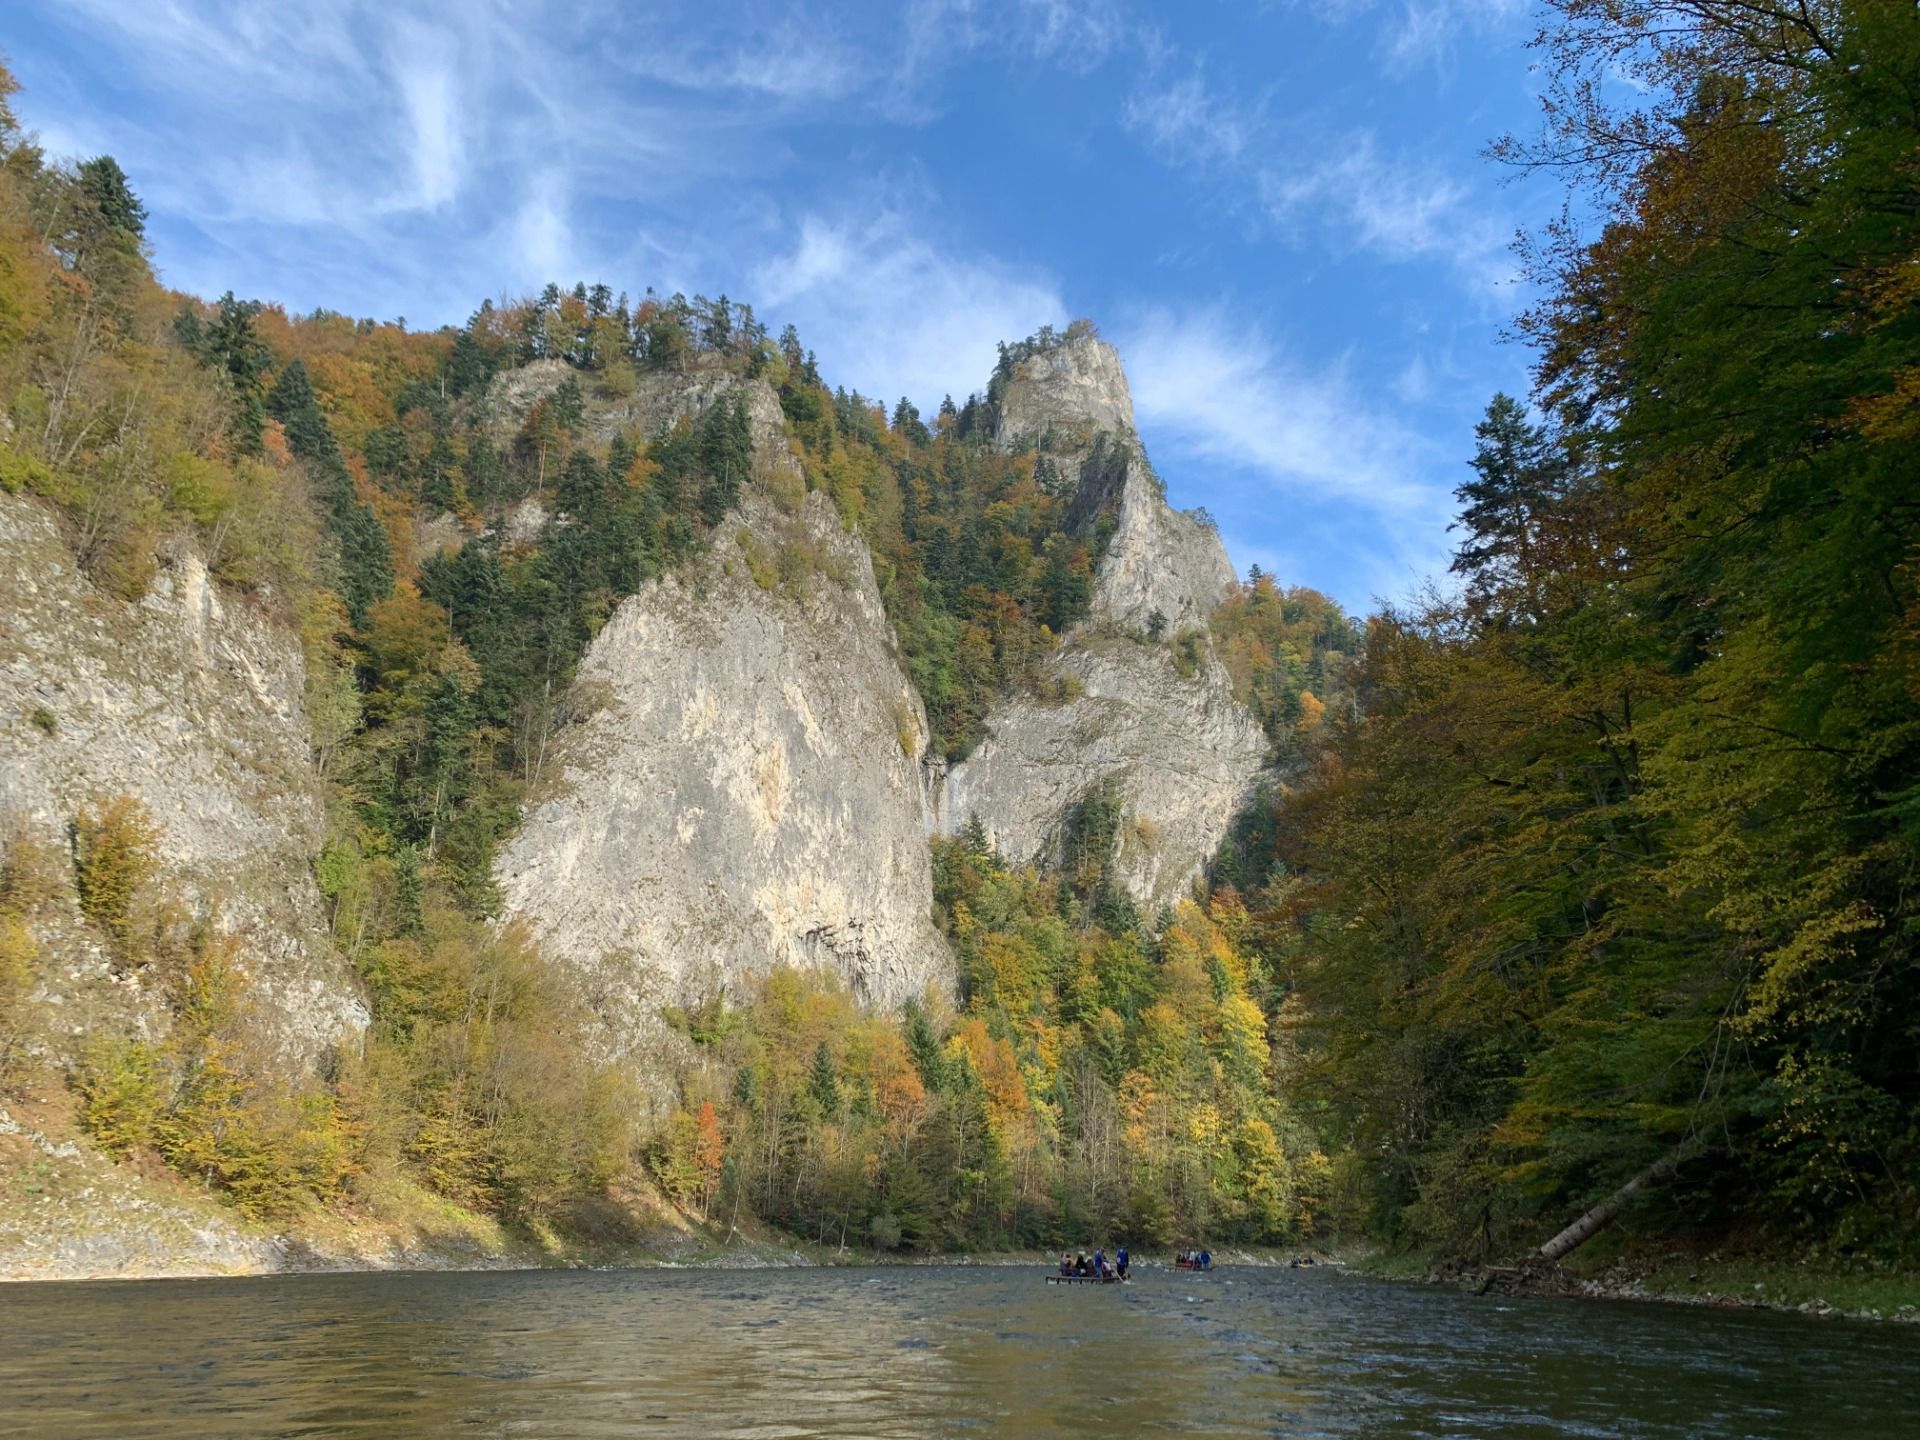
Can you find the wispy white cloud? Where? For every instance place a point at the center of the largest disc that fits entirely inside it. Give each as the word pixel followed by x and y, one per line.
pixel 1186 120
pixel 1410 35
pixel 1429 33
pixel 1353 196
pixel 1080 32
pixel 1074 35
pixel 1330 186
pixel 893 312
pixel 408 157
pixel 1219 392
pixel 797 60
pixel 430 96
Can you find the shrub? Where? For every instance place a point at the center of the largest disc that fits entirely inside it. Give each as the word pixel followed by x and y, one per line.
pixel 122 1095
pixel 1187 654
pixel 22 472
pixel 113 843
pixel 31 873
pixel 18 950
pixel 762 564
pixel 44 720
pixel 618 380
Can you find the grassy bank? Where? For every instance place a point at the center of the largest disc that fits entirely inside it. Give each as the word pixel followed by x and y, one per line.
pixel 1625 1267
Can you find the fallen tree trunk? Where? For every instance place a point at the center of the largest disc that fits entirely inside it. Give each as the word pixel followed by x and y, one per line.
pixel 1597 1219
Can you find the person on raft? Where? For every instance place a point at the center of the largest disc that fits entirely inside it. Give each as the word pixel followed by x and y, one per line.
pixel 1120 1262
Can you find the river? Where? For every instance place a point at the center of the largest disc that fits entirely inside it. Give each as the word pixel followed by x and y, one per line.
pixel 898 1351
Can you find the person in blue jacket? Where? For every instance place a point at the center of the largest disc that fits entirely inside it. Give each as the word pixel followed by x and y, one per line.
pixel 1206 1259
pixel 1120 1262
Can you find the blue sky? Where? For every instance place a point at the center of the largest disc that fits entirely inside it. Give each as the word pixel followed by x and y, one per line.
pixel 1277 211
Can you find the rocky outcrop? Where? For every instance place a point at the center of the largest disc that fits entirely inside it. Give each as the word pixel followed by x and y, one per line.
pixel 1181 750
pixel 742 786
pixel 1062 398
pixel 1071 403
pixel 191 702
pixel 1155 716
pixel 658 400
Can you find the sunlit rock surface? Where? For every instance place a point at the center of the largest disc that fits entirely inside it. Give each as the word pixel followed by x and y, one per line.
pixel 741 787
pixel 1182 750
pixel 192 702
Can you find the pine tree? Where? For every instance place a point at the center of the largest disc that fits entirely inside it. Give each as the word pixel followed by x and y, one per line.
pixel 582 492
pixel 823 1082
pixel 569 406
pixel 483 469
pixel 726 454
pixel 924 1046
pixel 366 560
pixel 231 344
pixel 468 368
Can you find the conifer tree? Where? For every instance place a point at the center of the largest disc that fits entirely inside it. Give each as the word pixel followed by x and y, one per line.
pixel 106 189
pixel 823 1082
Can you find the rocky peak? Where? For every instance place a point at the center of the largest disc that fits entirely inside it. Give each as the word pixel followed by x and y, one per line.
pixel 1063 393
pixel 1182 750
pixel 1067 397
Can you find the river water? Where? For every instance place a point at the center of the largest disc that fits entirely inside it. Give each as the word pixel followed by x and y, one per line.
pixel 962 1351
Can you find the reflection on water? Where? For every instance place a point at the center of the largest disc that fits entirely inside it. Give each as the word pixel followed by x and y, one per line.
pixel 919 1352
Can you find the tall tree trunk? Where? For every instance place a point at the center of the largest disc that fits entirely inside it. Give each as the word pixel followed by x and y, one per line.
pixel 1598 1218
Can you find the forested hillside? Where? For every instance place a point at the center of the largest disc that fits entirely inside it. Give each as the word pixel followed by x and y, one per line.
pixel 1619 866
pixel 446 560
pixel 1597 862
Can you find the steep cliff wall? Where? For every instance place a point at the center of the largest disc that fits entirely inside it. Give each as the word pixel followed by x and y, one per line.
pixel 193 704
pixel 1183 751
pixel 1071 403
pixel 742 788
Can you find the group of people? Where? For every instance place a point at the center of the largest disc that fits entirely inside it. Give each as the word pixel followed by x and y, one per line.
pixel 1098 1267
pixel 1201 1259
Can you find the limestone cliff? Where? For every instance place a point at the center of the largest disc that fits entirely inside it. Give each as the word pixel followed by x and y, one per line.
pixel 191 702
pixel 741 787
pixel 1156 716
pixel 1071 403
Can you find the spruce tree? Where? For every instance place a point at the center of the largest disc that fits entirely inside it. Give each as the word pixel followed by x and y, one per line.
pixel 1516 483
pixel 823 1082
pixel 105 186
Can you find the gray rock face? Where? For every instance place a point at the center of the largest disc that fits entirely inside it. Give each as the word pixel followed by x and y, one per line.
pixel 193 704
pixel 1184 752
pixel 745 789
pixel 1060 399
pixel 1072 404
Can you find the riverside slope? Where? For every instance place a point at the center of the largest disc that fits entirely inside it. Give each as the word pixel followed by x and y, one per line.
pixel 190 701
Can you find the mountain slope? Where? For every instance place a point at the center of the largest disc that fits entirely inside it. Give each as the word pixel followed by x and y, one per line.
pixel 1142 704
